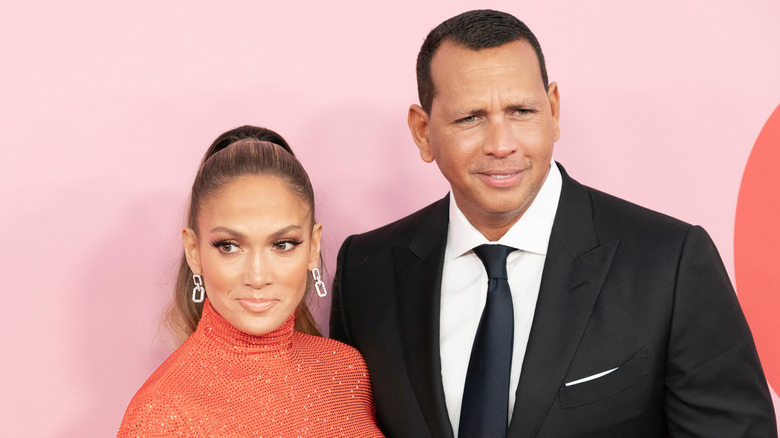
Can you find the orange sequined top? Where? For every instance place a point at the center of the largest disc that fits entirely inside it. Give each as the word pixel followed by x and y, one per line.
pixel 222 382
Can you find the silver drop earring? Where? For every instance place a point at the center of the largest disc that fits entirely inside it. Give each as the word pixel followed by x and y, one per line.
pixel 198 292
pixel 319 285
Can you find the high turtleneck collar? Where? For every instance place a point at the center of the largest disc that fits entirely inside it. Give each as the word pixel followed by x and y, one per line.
pixel 214 327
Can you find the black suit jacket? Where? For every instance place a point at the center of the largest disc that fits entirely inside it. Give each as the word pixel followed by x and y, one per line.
pixel 622 287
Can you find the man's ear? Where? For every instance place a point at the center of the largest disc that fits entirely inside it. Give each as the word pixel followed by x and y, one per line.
pixel 314 254
pixel 418 125
pixel 555 107
pixel 191 250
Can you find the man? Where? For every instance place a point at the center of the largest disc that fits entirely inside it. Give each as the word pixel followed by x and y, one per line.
pixel 622 321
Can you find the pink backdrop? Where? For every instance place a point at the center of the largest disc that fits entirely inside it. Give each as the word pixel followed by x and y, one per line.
pixel 105 110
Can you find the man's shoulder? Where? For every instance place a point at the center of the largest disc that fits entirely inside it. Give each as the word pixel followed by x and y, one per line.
pixel 622 209
pixel 616 218
pixel 404 230
pixel 614 212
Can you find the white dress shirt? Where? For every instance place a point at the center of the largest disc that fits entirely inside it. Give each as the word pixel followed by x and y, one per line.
pixel 464 288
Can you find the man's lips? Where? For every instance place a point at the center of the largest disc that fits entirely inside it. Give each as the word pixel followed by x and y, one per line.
pixel 256 305
pixel 501 178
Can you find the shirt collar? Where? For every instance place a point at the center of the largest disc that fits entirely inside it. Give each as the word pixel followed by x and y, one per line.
pixel 530 233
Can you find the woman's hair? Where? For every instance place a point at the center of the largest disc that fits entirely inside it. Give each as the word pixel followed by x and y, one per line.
pixel 252 151
pixel 242 132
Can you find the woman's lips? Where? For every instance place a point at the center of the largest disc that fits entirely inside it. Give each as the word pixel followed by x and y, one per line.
pixel 256 305
pixel 502 178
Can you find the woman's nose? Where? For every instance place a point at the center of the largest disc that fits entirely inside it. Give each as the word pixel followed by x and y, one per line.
pixel 257 271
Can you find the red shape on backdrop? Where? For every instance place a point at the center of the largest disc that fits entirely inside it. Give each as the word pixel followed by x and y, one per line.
pixel 757 246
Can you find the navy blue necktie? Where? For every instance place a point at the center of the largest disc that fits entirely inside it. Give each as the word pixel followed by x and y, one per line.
pixel 486 393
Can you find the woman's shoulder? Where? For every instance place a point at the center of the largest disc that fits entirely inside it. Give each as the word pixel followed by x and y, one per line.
pixel 166 373
pixel 330 350
pixel 155 406
pixel 152 412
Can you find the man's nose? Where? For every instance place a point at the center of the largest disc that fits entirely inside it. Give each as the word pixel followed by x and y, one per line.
pixel 499 139
pixel 257 270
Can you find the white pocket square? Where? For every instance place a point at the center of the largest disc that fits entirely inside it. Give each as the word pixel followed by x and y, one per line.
pixel 589 378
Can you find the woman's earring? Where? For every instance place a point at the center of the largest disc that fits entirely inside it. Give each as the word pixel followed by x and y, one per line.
pixel 319 285
pixel 198 292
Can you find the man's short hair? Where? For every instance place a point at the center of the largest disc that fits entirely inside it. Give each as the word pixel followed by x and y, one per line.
pixel 475 30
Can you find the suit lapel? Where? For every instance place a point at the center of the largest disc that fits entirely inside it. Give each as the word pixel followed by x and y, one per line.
pixel 574 272
pixel 418 269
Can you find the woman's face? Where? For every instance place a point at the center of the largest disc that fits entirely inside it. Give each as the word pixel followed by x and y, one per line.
pixel 254 247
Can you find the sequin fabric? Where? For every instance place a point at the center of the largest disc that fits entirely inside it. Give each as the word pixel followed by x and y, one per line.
pixel 222 382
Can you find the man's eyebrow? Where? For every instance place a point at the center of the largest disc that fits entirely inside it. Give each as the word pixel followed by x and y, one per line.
pixel 524 104
pixel 526 107
pixel 468 112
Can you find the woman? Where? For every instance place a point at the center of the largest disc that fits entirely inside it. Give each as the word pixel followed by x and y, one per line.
pixel 250 249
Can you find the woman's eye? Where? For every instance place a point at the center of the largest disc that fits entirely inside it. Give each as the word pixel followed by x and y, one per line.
pixel 226 247
pixel 286 245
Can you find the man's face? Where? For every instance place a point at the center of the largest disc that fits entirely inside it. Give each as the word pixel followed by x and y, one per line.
pixel 491 129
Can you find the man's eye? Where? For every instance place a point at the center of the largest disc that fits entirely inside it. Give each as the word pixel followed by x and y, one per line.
pixel 469 119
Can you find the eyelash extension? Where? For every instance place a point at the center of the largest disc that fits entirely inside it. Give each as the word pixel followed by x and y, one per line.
pixel 218 243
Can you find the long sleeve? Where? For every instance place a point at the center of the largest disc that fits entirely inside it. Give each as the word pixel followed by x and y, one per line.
pixel 338 323
pixel 715 385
